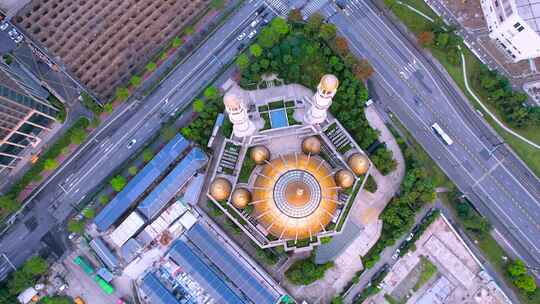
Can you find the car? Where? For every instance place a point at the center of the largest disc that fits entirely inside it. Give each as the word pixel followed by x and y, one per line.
pixel 131 143
pixel 409 238
pixel 4 25
pixel 240 46
pixel 260 10
pixel 166 101
pixel 241 36
pixel 255 22
pixel 19 39
pixel 252 34
pixel 13 33
pixel 395 256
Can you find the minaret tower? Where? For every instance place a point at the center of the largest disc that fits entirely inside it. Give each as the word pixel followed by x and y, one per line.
pixel 322 100
pixel 242 125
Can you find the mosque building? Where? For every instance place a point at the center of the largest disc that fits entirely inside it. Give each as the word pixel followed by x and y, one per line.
pixel 294 183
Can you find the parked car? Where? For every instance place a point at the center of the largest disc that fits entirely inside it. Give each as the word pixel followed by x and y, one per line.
pixel 252 34
pixel 4 25
pixel 395 256
pixel 19 39
pixel 131 143
pixel 409 238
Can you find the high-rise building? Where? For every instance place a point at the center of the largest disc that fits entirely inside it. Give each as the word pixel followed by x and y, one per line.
pixel 25 116
pixel 322 100
pixel 515 25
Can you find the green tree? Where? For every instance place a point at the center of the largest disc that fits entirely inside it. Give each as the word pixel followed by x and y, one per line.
pixel 103 199
pixel 255 50
pixel 525 283
pixel 50 164
pixel 6 297
pixel 327 31
pixel 8 203
pixel 133 170
pixel 135 81
pixel 108 108
pixel 55 300
pixel 211 92
pixel 314 23
pixel 35 266
pixel 442 40
pixel 242 61
pixel 147 154
pixel 118 183
pixel 176 42
pixel 75 226
pixel 20 281
pixel 78 136
pixel 167 133
pixel 267 38
pixel 89 213
pixel 151 66
pixel 337 300
pixel 198 105
pixel 516 268
pixel 305 272
pixel 122 93
pixel 280 26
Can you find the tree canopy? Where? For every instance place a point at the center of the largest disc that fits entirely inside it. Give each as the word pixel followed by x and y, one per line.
pixel 118 183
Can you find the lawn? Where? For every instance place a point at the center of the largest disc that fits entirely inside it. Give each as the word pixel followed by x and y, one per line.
pixel 428 270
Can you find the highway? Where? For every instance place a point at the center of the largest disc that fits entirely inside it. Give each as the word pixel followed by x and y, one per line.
pixel 106 149
pixel 493 179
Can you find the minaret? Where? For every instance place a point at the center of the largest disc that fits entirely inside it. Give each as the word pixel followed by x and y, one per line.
pixel 242 125
pixel 322 100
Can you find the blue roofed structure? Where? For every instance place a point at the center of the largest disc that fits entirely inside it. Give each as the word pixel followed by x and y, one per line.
pixel 228 263
pixel 156 292
pixel 171 184
pixel 193 265
pixel 105 254
pixel 123 200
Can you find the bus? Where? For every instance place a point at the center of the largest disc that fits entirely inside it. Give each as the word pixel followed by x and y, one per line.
pixel 439 131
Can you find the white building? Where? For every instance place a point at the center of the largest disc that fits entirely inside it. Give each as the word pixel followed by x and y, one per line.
pixel 515 25
pixel 235 107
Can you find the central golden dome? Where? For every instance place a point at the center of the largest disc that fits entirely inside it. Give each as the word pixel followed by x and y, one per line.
pixel 294 196
pixel 297 194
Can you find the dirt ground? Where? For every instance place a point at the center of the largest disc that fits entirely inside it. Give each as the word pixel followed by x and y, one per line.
pixel 468 12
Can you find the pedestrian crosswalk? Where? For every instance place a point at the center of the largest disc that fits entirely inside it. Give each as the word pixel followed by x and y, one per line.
pixel 312 7
pixel 279 6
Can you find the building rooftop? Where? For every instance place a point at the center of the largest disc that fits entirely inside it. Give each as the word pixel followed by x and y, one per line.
pixel 529 10
pixel 171 184
pixel 156 292
pixel 127 229
pixel 136 187
pixel 105 254
pixel 236 271
pixel 192 264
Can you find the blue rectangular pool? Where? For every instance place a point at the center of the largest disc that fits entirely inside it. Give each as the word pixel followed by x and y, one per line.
pixel 278 118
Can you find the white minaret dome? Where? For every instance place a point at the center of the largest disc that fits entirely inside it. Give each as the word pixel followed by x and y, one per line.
pixel 322 100
pixel 242 125
pixel 329 83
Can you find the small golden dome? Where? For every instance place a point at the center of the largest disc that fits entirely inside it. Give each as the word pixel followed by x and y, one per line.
pixel 344 178
pixel 220 189
pixel 329 82
pixel 359 163
pixel 259 154
pixel 241 198
pixel 312 145
pixel 231 100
